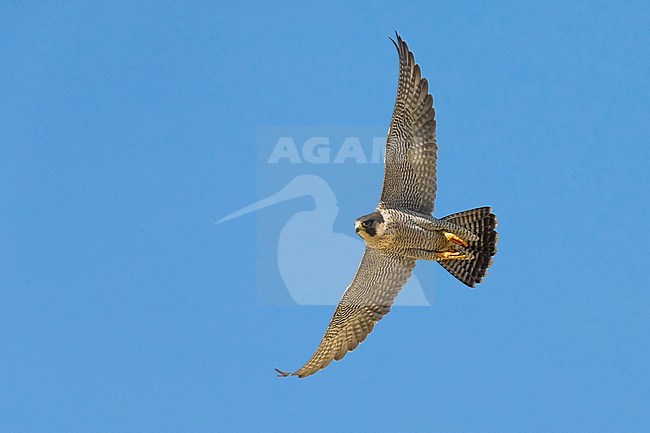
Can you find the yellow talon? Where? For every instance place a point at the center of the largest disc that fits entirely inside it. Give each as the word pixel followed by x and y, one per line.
pixel 455 239
pixel 448 255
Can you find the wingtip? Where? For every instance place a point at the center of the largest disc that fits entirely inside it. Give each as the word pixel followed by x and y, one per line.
pixel 283 373
pixel 397 40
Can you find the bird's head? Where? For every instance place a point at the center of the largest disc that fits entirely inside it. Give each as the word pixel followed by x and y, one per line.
pixel 369 226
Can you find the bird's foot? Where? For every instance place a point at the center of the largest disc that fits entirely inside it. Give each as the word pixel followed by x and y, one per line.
pixel 455 239
pixel 452 255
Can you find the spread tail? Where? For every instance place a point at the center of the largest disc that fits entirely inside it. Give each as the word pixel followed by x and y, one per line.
pixel 482 222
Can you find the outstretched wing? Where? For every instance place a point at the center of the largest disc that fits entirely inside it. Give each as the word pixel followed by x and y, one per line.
pixel 411 149
pixel 368 298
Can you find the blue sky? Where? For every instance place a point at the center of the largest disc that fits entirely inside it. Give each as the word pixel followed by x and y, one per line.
pixel 127 130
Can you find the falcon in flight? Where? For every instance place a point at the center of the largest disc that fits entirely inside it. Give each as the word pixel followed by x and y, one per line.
pixel 402 230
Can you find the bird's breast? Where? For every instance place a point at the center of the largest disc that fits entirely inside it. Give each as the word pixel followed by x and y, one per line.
pixel 401 230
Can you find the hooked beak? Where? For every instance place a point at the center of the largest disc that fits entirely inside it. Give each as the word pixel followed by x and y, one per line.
pixel 357 226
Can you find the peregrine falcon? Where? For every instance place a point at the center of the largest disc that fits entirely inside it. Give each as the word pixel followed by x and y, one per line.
pixel 402 230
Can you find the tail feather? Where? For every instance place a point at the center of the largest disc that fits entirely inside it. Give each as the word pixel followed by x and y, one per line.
pixel 482 222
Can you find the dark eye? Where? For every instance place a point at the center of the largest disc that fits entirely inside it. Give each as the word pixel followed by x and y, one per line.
pixel 366 223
